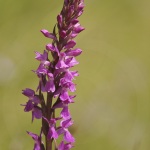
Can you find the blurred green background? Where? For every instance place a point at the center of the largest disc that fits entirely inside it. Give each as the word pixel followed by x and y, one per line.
pixel 112 109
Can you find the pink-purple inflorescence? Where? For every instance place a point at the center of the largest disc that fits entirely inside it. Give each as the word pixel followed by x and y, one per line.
pixel 56 80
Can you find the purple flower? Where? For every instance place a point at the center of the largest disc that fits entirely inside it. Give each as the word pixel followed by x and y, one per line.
pixel 32 103
pixel 63 146
pixel 71 61
pixel 28 92
pixel 62 33
pixel 38 145
pixel 64 94
pixel 52 131
pixel 69 75
pixel 41 70
pixel 61 62
pixel 62 104
pixel 70 44
pixel 36 111
pixel 42 58
pixel 74 52
pixel 65 112
pixel 50 86
pixel 31 95
pixel 51 47
pixel 78 28
pixel 48 35
pixel 66 84
pixel 56 78
pixel 64 130
pixel 59 19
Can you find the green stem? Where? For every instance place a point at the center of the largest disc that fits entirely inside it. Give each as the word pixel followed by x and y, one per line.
pixel 48 144
pixel 48 116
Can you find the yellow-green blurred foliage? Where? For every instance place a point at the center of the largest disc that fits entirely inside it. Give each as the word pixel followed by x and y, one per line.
pixel 112 109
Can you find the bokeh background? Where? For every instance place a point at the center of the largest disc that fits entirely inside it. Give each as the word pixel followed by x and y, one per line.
pixel 112 109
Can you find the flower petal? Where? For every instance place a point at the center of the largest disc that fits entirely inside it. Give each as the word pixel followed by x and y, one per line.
pixel 28 92
pixel 68 137
pixel 70 44
pixel 50 86
pixel 29 106
pixel 65 112
pixel 48 35
pixel 37 113
pixel 74 52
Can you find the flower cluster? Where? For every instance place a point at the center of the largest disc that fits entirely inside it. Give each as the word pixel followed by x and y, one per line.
pixel 56 80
